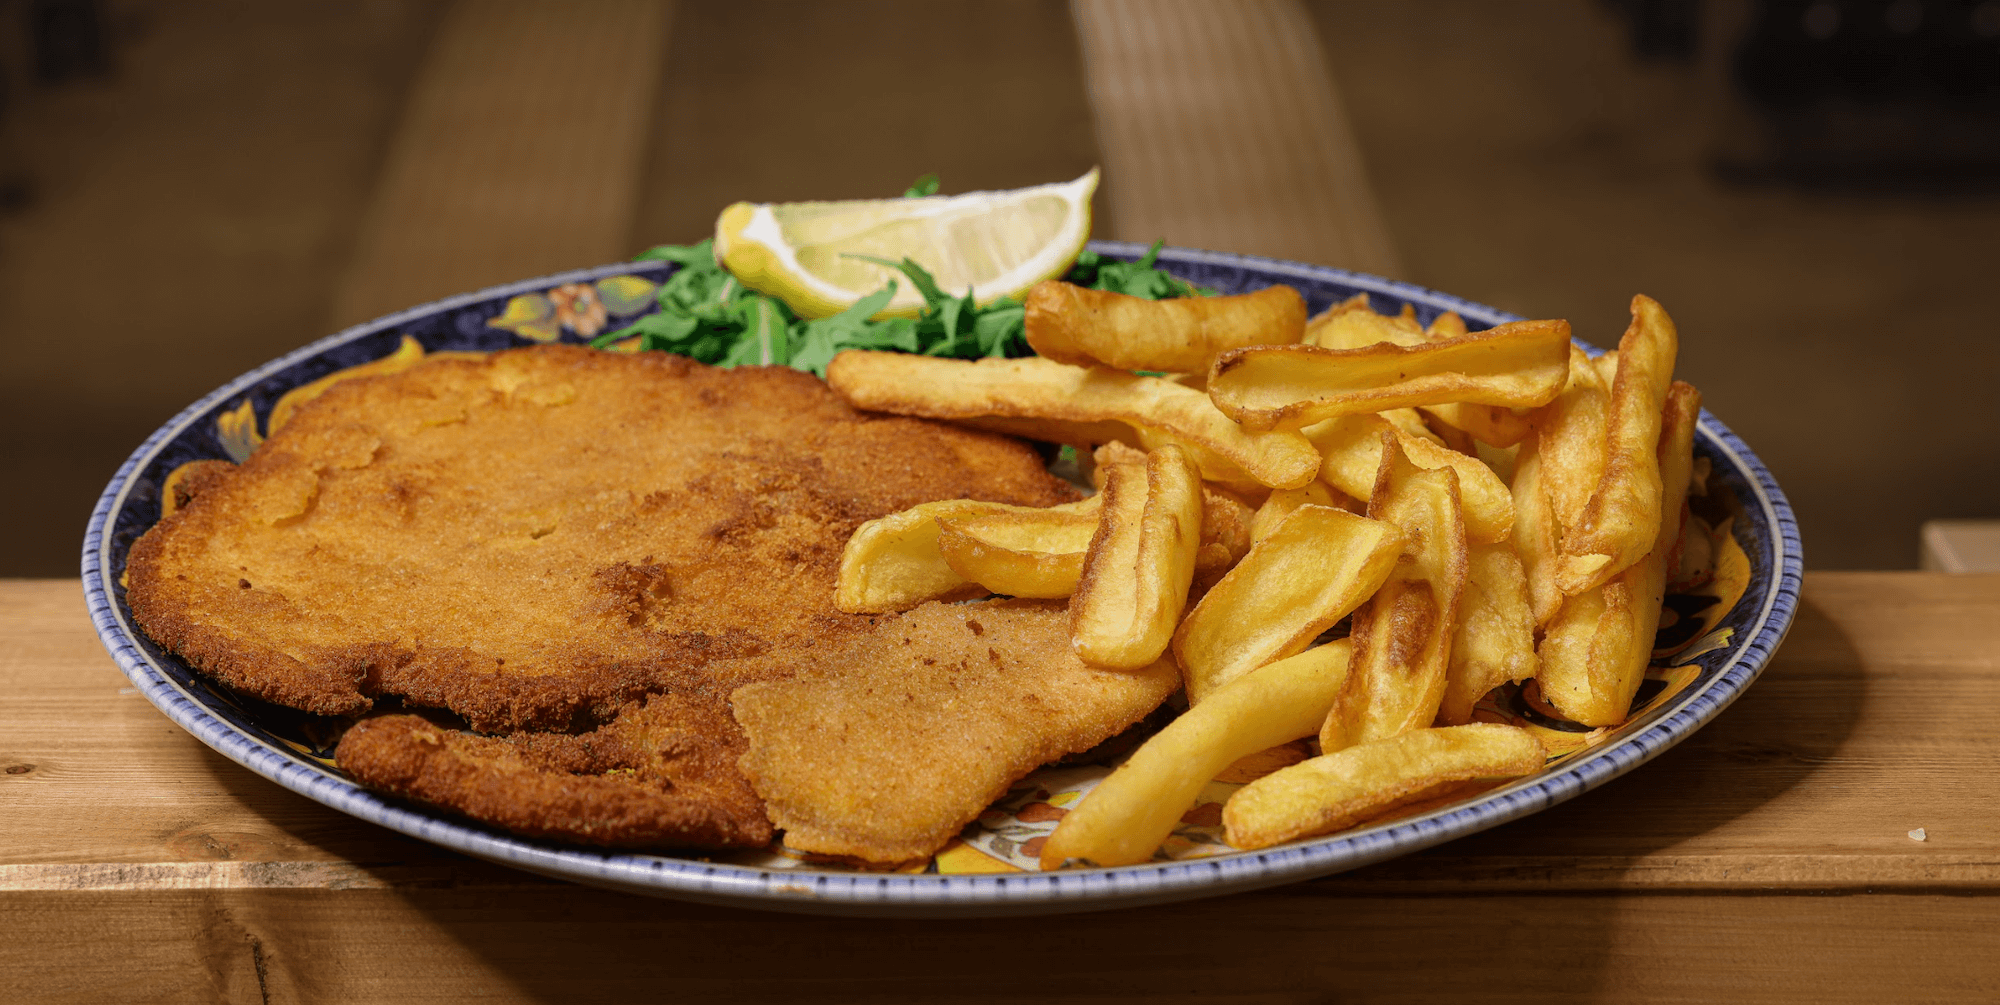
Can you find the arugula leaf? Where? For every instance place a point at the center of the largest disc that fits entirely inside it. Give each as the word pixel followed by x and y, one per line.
pixel 1136 279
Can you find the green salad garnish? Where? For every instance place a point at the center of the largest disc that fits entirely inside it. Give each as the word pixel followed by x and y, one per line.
pixel 706 314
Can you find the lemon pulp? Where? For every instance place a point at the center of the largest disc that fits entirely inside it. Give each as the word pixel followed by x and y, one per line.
pixel 996 244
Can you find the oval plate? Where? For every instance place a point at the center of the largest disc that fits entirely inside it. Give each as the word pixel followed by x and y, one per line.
pixel 1712 672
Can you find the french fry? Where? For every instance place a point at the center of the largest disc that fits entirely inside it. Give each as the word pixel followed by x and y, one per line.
pixel 1338 790
pixel 1489 424
pixel 1446 325
pixel 1622 516
pixel 1037 554
pixel 1352 324
pixel 1402 635
pixel 1282 503
pixel 1226 520
pixel 1494 639
pixel 893 563
pixel 1570 432
pixel 1452 436
pixel 1226 531
pixel 1071 400
pixel 1310 572
pixel 1410 423
pixel 1085 327
pixel 1352 447
pixel 1522 364
pixel 1537 532
pixel 1596 650
pixel 1126 817
pixel 1140 562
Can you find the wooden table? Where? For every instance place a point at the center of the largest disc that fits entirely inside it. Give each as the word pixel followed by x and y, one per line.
pixel 1768 858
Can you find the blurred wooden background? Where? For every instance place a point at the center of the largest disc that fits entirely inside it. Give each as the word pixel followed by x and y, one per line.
pixel 231 180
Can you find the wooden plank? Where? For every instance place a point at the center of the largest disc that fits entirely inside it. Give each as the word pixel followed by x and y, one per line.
pixel 1304 944
pixel 1869 723
pixel 519 153
pixel 1221 128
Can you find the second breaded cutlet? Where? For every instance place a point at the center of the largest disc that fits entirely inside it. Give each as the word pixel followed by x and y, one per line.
pixel 889 742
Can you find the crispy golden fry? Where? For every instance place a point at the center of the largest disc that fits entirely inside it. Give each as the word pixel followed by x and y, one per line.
pixel 1312 571
pixel 1140 563
pixel 1410 423
pixel 1402 635
pixel 1494 639
pixel 1039 553
pixel 1623 515
pixel 1446 325
pixel 1537 532
pixel 1071 400
pixel 1595 652
pixel 1226 531
pixel 1352 446
pixel 1489 424
pixel 1126 817
pixel 1085 327
pixel 1036 554
pixel 1282 503
pixel 1571 434
pixel 1338 790
pixel 1450 435
pixel 893 563
pixel 1352 324
pixel 1522 365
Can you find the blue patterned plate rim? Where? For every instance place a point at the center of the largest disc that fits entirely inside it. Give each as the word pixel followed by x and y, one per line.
pixel 962 895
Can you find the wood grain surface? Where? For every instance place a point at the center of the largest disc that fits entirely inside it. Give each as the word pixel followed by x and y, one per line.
pixel 1221 127
pixel 1767 858
pixel 519 153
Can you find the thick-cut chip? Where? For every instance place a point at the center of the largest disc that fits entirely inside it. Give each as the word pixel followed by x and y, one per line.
pixel 1126 817
pixel 1493 425
pixel 1141 561
pixel 1282 503
pixel 1352 324
pixel 893 563
pixel 1623 515
pixel 1226 520
pixel 1226 530
pixel 1537 532
pixel 1352 446
pixel 1446 325
pixel 1410 423
pixel 1596 651
pixel 1313 570
pixel 1039 553
pixel 1036 555
pixel 1570 431
pixel 1521 364
pixel 1402 635
pixel 1338 790
pixel 1085 327
pixel 1494 640
pixel 1032 396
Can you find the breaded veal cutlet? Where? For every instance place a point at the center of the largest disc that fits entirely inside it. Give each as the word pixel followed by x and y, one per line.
pixel 550 539
pixel 890 741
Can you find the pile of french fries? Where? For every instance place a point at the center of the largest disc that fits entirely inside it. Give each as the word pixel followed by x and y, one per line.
pixel 1485 507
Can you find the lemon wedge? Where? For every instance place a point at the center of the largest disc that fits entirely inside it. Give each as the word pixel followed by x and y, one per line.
pixel 995 243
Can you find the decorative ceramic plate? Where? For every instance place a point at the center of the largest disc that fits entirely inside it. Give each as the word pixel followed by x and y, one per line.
pixel 1715 643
